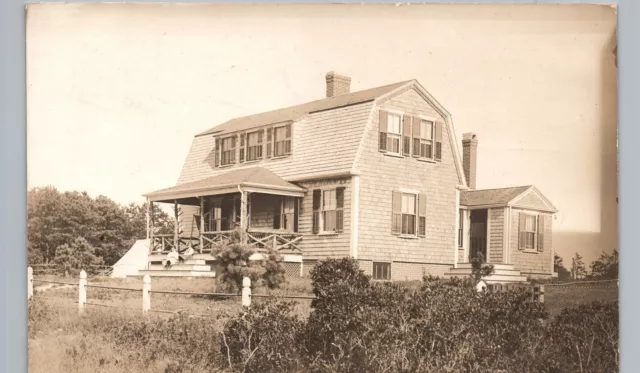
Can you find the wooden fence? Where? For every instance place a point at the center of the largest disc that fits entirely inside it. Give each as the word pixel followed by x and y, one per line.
pixel 83 283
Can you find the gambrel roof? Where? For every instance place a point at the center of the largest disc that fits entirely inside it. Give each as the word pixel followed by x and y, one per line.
pixel 504 197
pixel 297 112
pixel 327 136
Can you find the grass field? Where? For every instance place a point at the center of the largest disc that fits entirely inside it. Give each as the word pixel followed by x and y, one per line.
pixel 65 342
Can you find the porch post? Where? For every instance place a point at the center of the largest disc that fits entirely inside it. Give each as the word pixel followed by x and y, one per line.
pixel 243 215
pixel 201 223
pixel 150 225
pixel 175 226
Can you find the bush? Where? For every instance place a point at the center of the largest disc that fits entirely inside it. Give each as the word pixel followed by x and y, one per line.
pixel 264 339
pixel 585 339
pixel 233 257
pixel 76 257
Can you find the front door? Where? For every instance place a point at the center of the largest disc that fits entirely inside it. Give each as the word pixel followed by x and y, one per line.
pixel 478 234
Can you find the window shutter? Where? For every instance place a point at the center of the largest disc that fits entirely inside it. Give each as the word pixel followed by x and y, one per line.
pixel 438 141
pixel 406 133
pixel 384 117
pixel 242 147
pixel 541 226
pixel 522 223
pixel 216 161
pixel 260 138
pixel 317 200
pixel 422 215
pixel 339 209
pixel 416 137
pixel 396 213
pixel 233 149
pixel 269 142
pixel 287 144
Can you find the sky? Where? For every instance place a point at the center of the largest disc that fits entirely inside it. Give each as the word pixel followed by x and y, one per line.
pixel 116 92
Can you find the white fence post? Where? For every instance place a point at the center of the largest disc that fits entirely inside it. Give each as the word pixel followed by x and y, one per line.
pixel 246 292
pixel 30 282
pixel 82 291
pixel 146 295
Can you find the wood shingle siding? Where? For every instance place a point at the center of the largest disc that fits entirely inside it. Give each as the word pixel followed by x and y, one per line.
pixel 496 235
pixel 532 261
pixel 531 201
pixel 323 142
pixel 381 174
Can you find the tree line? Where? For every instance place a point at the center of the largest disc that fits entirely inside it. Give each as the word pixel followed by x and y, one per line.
pixel 605 268
pixel 73 229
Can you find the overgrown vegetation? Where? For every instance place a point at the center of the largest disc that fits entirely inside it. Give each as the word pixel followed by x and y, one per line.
pixel 355 325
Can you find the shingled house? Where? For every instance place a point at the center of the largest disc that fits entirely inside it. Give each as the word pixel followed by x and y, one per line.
pixel 376 175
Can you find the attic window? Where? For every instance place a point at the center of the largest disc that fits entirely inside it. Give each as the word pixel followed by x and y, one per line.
pixel 254 145
pixel 228 151
pixel 282 140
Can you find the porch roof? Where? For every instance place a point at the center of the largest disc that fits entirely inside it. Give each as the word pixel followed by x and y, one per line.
pixel 491 197
pixel 253 179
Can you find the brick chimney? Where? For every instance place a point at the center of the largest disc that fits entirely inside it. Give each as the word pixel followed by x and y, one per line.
pixel 469 157
pixel 337 84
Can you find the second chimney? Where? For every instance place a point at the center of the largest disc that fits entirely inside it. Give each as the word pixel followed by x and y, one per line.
pixel 469 156
pixel 337 84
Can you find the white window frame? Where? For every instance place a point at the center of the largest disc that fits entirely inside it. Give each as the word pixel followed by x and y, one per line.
pixel 258 147
pixel 536 223
pixel 375 271
pixel 275 140
pixel 231 152
pixel 324 209
pixel 392 136
pixel 405 213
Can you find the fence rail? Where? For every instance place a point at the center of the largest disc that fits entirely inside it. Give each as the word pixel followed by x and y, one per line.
pixel 82 284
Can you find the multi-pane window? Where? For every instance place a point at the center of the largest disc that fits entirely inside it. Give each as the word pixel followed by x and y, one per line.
pixel 328 210
pixel 282 140
pixel 228 150
pixel 254 146
pixel 528 231
pixel 404 213
pixel 288 213
pixel 215 218
pixel 381 271
pixel 426 139
pixel 394 134
pixel 408 214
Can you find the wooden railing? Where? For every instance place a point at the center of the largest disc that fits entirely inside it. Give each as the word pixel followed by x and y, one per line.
pixel 280 240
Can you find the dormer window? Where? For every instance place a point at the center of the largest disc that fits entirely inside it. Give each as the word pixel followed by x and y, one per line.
pixel 254 145
pixel 228 151
pixel 281 140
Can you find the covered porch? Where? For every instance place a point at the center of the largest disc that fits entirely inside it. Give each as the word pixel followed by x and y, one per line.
pixel 261 205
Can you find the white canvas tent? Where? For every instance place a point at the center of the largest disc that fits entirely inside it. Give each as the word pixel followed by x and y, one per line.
pixel 136 259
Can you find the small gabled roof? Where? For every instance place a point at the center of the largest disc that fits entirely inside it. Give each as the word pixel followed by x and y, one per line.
pixel 255 178
pixel 294 113
pixel 498 196
pixel 501 197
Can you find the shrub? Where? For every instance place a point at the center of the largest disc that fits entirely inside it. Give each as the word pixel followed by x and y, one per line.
pixel 76 257
pixel 264 339
pixel 585 339
pixel 233 257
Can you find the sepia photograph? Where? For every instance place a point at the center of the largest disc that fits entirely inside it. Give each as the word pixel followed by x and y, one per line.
pixel 326 188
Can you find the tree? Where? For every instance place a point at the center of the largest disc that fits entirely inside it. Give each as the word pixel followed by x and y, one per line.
pixel 77 256
pixel 578 269
pixel 606 267
pixel 559 268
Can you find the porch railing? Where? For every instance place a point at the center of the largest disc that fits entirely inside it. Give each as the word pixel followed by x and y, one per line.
pixel 262 240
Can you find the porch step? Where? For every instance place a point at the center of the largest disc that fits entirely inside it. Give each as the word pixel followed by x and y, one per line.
pixel 469 266
pixel 181 267
pixel 502 272
pixel 176 273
